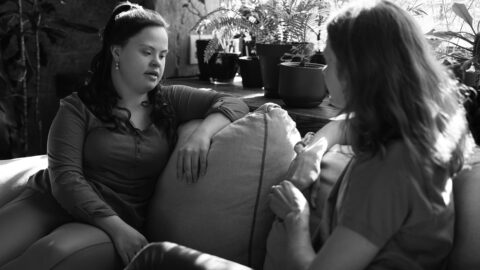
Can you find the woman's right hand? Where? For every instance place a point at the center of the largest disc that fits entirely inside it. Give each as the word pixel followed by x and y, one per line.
pixel 305 168
pixel 126 239
pixel 128 242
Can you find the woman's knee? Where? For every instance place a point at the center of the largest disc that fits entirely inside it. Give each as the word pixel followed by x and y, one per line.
pixel 25 220
pixel 74 246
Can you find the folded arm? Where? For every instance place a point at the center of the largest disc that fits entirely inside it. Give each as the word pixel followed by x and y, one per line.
pixel 217 110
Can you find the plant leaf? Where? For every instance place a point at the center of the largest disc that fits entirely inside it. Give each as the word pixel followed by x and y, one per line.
pixel 452 34
pixel 462 12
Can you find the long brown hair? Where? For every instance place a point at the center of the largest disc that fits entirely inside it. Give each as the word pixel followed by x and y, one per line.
pixel 395 87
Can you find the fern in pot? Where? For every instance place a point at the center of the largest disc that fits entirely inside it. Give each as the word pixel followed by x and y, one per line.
pixel 301 83
pixel 275 25
pixel 227 24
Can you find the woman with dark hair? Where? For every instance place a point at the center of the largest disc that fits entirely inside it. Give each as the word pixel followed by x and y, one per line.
pixel 391 208
pixel 108 145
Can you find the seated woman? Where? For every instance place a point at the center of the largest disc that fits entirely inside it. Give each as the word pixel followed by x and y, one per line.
pixel 107 146
pixel 391 208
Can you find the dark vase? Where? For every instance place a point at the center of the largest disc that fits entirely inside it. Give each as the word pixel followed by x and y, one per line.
pixel 270 55
pixel 223 67
pixel 250 71
pixel 202 66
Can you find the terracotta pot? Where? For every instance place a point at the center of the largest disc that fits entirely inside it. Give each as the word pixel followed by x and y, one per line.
pixel 301 86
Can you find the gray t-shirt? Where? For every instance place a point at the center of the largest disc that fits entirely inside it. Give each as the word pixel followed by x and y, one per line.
pixel 391 202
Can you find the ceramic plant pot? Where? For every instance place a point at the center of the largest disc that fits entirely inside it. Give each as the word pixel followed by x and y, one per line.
pixel 223 67
pixel 270 55
pixel 301 86
pixel 250 71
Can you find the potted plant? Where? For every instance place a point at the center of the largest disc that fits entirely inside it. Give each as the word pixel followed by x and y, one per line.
pixel 221 58
pixel 194 8
pixel 284 24
pixel 276 25
pixel 228 23
pixel 301 83
pixel 250 67
pixel 463 57
pixel 463 54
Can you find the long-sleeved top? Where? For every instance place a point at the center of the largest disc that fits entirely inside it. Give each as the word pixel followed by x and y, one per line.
pixel 96 171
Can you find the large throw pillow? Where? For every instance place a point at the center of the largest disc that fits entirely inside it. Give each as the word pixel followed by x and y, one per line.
pixel 226 213
pixel 14 174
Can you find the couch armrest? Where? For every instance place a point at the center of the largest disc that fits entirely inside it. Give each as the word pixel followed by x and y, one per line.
pixel 167 255
pixel 14 174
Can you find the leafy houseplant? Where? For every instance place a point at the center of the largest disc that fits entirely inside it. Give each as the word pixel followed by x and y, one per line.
pixel 275 26
pixel 223 23
pixel 467 57
pixel 26 29
pixel 464 58
pixel 301 83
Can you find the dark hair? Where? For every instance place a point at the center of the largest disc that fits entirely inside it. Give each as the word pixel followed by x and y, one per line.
pixel 395 86
pixel 99 95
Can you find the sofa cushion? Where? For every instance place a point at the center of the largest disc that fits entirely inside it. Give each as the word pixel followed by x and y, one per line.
pixel 226 212
pixel 15 173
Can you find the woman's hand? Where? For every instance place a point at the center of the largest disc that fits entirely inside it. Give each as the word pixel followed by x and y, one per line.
pixel 290 206
pixel 305 168
pixel 192 157
pixel 127 240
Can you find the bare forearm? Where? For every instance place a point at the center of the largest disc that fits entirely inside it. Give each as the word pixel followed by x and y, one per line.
pixel 300 248
pixel 332 133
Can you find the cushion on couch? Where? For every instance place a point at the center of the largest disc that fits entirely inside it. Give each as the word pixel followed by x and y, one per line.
pixel 14 174
pixel 226 212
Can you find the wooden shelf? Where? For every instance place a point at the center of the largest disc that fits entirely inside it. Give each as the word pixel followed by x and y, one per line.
pixel 307 119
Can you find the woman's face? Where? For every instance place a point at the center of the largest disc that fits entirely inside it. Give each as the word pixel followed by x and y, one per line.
pixel 334 84
pixel 142 59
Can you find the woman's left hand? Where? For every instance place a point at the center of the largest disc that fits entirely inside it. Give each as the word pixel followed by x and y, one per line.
pixel 289 204
pixel 192 157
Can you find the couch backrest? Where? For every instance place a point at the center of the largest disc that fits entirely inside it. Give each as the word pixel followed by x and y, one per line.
pixel 466 191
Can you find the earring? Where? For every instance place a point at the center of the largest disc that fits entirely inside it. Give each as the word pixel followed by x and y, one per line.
pixel 117 65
